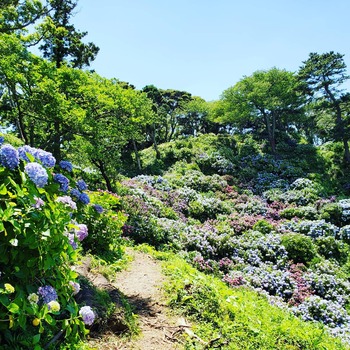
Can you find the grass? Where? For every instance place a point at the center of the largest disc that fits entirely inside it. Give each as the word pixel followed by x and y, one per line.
pixel 238 318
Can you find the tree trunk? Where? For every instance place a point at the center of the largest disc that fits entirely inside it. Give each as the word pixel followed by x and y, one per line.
pixel 155 145
pixel 340 131
pixel 137 155
pixel 270 131
pixel 102 170
pixel 56 141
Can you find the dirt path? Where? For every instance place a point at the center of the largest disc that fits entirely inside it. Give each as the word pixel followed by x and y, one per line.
pixel 141 284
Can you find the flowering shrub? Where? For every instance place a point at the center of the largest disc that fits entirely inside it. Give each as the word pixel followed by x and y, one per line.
pixel 312 228
pixel 38 239
pixel 288 243
pixel 104 223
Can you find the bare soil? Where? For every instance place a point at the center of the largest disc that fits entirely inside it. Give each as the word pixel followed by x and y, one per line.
pixel 141 284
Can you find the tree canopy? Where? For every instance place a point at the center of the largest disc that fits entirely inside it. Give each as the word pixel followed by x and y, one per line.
pixel 267 102
pixel 322 76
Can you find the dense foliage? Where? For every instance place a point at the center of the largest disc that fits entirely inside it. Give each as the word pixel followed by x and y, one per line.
pixel 252 188
pixel 277 232
pixel 45 217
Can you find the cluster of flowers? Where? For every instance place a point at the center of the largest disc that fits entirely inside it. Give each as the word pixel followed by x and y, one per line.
pixel 344 205
pixel 37 166
pixel 47 295
pixel 238 248
pixel 216 162
pixel 312 228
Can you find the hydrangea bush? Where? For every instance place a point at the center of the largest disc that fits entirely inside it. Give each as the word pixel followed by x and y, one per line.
pixel 38 241
pixel 281 243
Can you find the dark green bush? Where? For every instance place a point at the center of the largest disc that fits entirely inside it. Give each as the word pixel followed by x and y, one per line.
pixel 306 212
pixel 263 226
pixel 329 247
pixel 300 248
pixel 331 212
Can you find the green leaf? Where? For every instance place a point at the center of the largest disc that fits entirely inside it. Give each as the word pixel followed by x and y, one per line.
pixel 22 320
pixel 51 321
pixel 14 308
pixel 7 214
pixel 3 190
pixel 36 339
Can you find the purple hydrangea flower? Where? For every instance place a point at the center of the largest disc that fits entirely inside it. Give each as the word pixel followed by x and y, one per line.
pixel 84 198
pixel 46 158
pixel 87 314
pixel 82 186
pixel 81 232
pixel 98 208
pixel 67 201
pixel 75 193
pixel 9 157
pixel 72 242
pixel 37 174
pixel 47 293
pixel 66 165
pixel 75 286
pixel 38 203
pixel 63 181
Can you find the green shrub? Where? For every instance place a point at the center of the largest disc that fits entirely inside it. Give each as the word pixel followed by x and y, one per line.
pixel 300 248
pixel 104 222
pixel 329 247
pixel 263 226
pixel 331 212
pixel 306 212
pixel 39 235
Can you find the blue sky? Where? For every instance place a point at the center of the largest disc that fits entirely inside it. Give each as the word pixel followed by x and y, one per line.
pixel 206 46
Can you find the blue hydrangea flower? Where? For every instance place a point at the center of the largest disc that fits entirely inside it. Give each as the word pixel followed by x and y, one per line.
pixel 1 140
pixel 63 181
pixel 84 198
pixel 66 165
pixel 36 173
pixel 26 149
pixel 98 208
pixel 82 186
pixel 47 293
pixel 75 193
pixel 9 157
pixel 46 158
pixel 87 315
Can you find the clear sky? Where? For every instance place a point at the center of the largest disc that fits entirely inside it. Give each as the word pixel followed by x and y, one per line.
pixel 206 46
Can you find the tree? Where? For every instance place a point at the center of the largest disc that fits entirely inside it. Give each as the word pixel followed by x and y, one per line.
pixel 62 42
pixel 266 102
pixel 16 15
pixel 194 118
pixel 322 76
pixel 168 105
pixel 113 118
